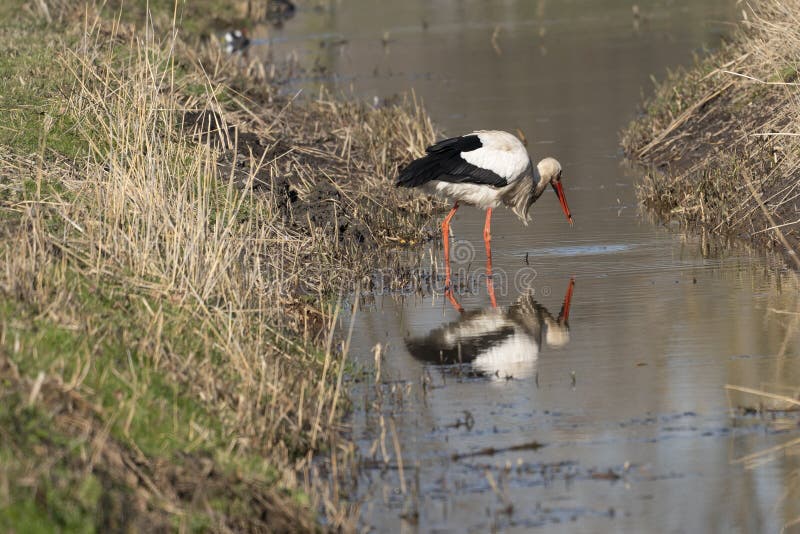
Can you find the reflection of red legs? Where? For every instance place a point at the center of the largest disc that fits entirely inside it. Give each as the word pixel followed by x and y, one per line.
pixel 449 294
pixel 487 240
pixel 446 237
pixel 563 315
pixel 490 287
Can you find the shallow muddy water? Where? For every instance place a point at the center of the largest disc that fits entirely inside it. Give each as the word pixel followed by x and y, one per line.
pixel 618 418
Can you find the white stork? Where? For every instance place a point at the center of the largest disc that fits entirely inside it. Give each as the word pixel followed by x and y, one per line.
pixel 485 169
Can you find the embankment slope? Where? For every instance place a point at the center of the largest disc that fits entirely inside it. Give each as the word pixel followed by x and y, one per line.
pixel 722 139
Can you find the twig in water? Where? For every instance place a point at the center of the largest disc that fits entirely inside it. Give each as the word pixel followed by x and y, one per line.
pixel 377 350
pixel 761 393
pixel 757 458
pixel 491 451
pixel 497 491
pixel 495 46
pixel 399 456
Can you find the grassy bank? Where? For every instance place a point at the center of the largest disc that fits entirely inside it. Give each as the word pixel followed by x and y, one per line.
pixel 173 237
pixel 722 139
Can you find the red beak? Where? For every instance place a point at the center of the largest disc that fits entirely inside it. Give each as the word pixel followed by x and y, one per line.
pixel 559 189
pixel 563 316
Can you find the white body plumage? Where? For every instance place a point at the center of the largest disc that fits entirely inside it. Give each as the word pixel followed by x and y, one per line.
pixel 503 154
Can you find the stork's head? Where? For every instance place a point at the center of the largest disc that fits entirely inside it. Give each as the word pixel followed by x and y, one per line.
pixel 549 170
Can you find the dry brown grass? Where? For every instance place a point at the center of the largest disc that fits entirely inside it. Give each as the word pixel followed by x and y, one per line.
pixel 735 114
pixel 193 264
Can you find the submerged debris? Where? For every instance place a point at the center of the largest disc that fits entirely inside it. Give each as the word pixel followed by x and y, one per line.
pixel 491 451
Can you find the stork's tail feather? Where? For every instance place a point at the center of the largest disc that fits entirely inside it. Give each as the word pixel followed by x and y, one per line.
pixel 441 157
pixel 419 172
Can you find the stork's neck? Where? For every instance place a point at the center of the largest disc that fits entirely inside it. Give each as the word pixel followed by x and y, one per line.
pixel 541 184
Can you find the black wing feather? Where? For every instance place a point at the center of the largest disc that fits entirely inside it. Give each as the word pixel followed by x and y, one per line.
pixel 444 162
pixel 464 143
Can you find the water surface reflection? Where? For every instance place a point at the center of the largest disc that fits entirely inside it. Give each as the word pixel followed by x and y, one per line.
pixel 502 343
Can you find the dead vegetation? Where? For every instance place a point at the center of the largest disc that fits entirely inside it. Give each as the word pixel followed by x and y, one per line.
pixel 722 139
pixel 169 288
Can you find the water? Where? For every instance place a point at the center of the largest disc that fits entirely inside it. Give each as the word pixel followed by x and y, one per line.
pixel 511 418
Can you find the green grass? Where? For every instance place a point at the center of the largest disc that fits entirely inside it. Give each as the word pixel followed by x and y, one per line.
pixel 31 80
pixel 25 516
pixel 787 74
pixel 54 499
pixel 124 380
pixel 149 413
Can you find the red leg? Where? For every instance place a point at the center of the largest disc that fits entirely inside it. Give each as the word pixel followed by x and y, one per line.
pixel 563 315
pixel 446 237
pixel 487 240
pixel 487 236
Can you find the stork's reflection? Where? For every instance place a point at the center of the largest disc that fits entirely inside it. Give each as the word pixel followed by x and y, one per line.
pixel 499 342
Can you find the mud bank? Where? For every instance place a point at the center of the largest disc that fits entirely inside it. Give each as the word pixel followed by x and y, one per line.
pixel 721 139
